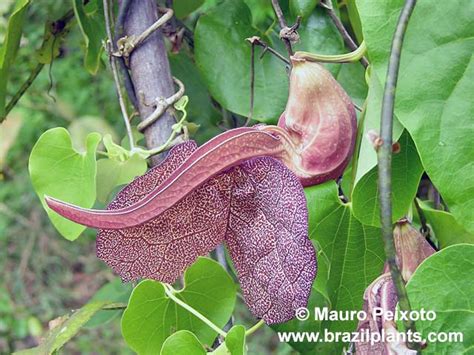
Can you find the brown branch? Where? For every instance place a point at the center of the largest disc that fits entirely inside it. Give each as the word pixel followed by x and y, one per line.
pixel 150 71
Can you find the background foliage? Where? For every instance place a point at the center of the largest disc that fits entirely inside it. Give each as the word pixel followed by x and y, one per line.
pixel 69 121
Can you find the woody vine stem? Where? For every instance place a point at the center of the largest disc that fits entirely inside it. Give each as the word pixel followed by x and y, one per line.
pixel 385 162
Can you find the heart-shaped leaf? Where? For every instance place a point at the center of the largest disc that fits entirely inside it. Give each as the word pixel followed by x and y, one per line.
pixel 234 342
pixel 183 342
pixel 151 316
pixel 56 169
pixel 443 284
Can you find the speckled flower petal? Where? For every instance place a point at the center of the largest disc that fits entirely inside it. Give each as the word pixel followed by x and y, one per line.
pixel 259 208
pixel 268 239
pixel 165 246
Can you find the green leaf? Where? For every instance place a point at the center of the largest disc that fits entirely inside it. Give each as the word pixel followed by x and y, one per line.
pixel 10 46
pixel 82 126
pixel 235 340
pixel 352 78
pixel 183 8
pixel 443 284
pixel 262 13
pixel 406 175
pixel 435 89
pixel 59 171
pixel 367 153
pixel 182 342
pixel 200 108
pixel 112 173
pixel 302 8
pixel 223 57
pixel 445 227
pixel 91 21
pixel 114 292
pixel 354 19
pixel 69 326
pixel 151 316
pixel 350 256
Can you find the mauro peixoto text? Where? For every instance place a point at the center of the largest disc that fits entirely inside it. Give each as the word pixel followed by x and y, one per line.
pixel 325 314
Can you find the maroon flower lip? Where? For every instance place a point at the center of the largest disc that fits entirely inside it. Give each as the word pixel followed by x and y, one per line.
pixel 243 187
pixel 223 152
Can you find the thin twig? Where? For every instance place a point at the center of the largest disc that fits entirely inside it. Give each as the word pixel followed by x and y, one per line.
pixel 113 64
pixel 327 4
pixel 162 104
pixel 266 48
pixel 385 162
pixel 21 91
pixel 283 25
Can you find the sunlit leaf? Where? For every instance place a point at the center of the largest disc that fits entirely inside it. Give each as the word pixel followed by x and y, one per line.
pixel 57 170
pixel 151 316
pixel 112 173
pixel 183 342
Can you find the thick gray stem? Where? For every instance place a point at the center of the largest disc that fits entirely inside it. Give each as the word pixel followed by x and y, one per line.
pixel 150 71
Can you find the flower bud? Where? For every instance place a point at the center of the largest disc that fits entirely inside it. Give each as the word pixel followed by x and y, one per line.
pixel 321 122
pixel 412 248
